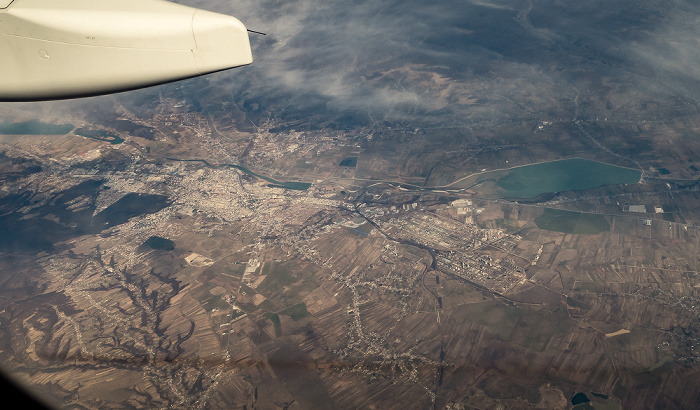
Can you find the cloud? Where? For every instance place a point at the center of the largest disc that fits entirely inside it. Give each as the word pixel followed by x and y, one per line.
pixel 671 50
pixel 449 61
pixel 382 59
pixel 490 4
pixel 356 57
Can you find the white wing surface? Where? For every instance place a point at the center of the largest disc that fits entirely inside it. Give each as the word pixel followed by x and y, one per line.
pixel 54 49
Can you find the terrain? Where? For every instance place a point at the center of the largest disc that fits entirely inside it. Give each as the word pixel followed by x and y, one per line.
pixel 501 212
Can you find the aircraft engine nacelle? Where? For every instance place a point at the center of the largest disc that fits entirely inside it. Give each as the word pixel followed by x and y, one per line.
pixel 55 49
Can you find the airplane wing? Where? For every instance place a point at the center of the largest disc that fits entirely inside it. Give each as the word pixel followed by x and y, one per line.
pixel 56 49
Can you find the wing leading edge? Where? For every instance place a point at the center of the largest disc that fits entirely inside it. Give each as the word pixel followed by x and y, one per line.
pixel 56 49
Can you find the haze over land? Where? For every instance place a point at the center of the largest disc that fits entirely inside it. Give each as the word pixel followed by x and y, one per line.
pixel 355 220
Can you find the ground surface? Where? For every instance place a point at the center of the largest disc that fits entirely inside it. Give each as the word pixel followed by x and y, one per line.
pixel 355 220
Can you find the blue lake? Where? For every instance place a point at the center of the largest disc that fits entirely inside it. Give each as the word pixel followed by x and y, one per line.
pixel 565 175
pixel 34 127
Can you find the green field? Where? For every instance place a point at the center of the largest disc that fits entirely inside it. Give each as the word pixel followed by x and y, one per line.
pixel 558 220
pixel 296 312
pixel 275 321
pixel 278 276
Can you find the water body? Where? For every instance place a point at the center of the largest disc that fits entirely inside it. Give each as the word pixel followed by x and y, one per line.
pixel 529 182
pixel 579 398
pixel 156 242
pixel 565 175
pixel 100 135
pixel 299 186
pixel 34 127
pixel 349 162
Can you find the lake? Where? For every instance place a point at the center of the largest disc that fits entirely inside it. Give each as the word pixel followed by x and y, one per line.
pixel 565 175
pixel 100 135
pixel 530 181
pixel 34 127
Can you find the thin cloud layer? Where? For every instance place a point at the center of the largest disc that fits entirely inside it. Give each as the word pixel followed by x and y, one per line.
pixel 451 61
pixel 340 51
pixel 672 50
pixel 332 51
pixel 330 61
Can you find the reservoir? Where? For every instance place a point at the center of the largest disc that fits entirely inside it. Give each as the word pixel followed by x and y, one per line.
pixel 566 175
pixel 530 181
pixel 100 135
pixel 34 127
